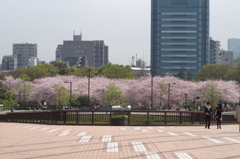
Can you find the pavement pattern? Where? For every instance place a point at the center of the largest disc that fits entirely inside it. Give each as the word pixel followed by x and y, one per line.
pixel 40 141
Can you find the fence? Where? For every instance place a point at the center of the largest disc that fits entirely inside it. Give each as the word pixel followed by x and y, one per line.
pixel 102 117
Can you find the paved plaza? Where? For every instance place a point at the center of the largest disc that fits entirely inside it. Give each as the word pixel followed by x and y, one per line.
pixel 30 141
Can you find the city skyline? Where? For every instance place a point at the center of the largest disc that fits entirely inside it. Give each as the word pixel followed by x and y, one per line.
pixel 123 25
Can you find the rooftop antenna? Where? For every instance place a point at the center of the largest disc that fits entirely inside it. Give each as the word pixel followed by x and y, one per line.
pixel 73 32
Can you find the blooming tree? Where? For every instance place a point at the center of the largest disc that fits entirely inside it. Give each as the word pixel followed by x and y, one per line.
pixel 137 92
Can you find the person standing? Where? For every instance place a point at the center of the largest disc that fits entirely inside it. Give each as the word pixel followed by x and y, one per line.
pixel 208 112
pixel 218 115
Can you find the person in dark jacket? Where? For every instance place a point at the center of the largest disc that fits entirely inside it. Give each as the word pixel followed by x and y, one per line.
pixel 208 113
pixel 218 115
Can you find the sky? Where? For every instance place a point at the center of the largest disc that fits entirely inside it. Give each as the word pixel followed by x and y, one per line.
pixel 124 25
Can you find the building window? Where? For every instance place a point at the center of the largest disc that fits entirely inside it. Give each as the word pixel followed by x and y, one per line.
pixel 179 61
pixel 170 37
pixel 178 55
pixel 182 13
pixel 179 19
pixel 178 49
pixel 178 43
pixel 179 25
pixel 184 31
pixel 179 2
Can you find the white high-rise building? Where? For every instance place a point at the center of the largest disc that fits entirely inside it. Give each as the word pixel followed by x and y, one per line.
pixel 23 52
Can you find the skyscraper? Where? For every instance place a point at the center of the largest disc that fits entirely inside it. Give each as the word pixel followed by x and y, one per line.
pixel 179 36
pixel 234 46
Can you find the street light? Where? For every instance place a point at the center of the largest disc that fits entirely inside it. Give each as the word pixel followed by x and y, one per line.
pixel 239 101
pixel 151 88
pixel 186 100
pixel 24 93
pixel 70 94
pixel 169 84
pixel 89 70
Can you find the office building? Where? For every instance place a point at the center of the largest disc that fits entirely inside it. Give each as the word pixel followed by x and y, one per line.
pixel 76 51
pixel 9 63
pixel 23 52
pixel 214 51
pixel 59 53
pixel 234 46
pixel 226 57
pixel 179 36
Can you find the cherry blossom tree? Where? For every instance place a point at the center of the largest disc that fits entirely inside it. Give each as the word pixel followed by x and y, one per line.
pixel 137 92
pixel 23 90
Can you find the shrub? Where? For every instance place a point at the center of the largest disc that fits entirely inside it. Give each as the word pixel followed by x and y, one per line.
pixel 122 116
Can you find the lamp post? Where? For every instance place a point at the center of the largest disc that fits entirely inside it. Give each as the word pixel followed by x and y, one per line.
pixel 70 94
pixel 186 100
pixel 169 85
pixel 239 101
pixel 197 107
pixel 59 102
pixel 89 70
pixel 151 88
pixel 24 93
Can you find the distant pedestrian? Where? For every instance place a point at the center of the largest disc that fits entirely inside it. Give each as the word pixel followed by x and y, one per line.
pixel 160 107
pixel 218 115
pixel 208 113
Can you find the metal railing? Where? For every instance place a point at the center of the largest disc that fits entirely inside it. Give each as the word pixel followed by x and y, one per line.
pixel 102 117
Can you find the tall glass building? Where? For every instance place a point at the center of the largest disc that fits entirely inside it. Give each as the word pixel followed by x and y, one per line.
pixel 234 46
pixel 179 36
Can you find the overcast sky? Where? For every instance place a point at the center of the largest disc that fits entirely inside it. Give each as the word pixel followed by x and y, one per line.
pixel 124 25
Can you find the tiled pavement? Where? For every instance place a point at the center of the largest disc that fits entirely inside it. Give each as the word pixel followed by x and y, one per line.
pixel 28 141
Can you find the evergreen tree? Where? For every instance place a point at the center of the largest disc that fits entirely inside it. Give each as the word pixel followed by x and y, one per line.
pixel 182 74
